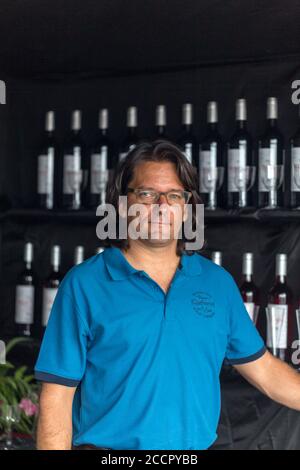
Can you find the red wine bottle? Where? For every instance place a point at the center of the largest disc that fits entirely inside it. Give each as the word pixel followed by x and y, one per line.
pixel 249 290
pixel 131 138
pixel 270 155
pixel 51 285
pixel 239 157
pixel 25 293
pixel 73 166
pixel 187 141
pixel 46 167
pixel 211 157
pixel 280 313
pixel 295 169
pixel 100 163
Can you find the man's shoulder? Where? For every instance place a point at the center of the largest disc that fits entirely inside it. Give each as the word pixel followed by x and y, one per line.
pixel 212 271
pixel 85 271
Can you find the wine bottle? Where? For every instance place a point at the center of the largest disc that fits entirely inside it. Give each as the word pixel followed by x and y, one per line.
pixel 78 255
pixel 100 163
pixel 270 156
pixel 161 123
pixel 51 285
pixel 210 158
pixel 25 293
pixel 132 138
pixel 295 169
pixel 46 171
pixel 239 158
pixel 187 140
pixel 73 166
pixel 216 257
pixel 249 291
pixel 297 314
pixel 280 313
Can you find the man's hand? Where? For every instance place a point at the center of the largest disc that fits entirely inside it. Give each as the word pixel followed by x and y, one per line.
pixel 54 430
pixel 275 378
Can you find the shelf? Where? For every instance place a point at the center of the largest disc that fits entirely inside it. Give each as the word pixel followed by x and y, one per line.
pixel 89 217
pixel 42 216
pixel 259 215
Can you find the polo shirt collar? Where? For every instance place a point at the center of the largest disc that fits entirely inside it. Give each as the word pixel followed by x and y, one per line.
pixel 119 268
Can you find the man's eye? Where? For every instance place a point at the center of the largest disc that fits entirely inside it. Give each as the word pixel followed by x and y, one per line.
pixel 146 193
pixel 175 196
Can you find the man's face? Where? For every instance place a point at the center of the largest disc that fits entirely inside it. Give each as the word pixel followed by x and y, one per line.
pixel 159 222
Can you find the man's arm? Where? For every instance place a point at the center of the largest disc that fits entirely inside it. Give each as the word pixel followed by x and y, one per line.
pixel 275 378
pixel 54 430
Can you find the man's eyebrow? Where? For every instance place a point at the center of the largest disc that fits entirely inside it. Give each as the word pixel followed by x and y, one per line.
pixel 153 189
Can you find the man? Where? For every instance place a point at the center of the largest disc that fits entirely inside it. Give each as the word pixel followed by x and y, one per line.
pixel 137 334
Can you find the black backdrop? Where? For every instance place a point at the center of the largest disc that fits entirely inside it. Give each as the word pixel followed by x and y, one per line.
pixel 66 55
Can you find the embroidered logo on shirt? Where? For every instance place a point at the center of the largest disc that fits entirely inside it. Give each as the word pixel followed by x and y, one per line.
pixel 203 304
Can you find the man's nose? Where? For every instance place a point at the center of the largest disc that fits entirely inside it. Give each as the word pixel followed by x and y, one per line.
pixel 162 199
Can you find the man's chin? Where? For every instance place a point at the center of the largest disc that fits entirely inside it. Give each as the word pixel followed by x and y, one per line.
pixel 158 241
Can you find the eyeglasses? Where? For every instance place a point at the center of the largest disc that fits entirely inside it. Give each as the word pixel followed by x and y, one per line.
pixel 149 196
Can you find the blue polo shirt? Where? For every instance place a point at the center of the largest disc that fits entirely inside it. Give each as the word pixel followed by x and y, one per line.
pixel 145 363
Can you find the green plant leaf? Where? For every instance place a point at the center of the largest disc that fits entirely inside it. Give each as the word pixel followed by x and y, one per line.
pixel 12 343
pixel 20 372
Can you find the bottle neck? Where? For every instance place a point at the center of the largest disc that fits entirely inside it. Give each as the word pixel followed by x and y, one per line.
pixel 280 279
pixel 103 132
pixel 212 126
pixel 272 123
pixel 160 130
pixel 241 125
pixel 131 131
pixel 248 277
pixel 49 134
pixel 187 128
pixel 55 268
pixel 28 265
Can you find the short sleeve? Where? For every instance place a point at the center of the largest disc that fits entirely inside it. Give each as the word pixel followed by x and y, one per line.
pixel 244 341
pixel 62 355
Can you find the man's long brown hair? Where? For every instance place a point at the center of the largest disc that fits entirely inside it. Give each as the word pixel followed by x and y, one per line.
pixel 153 151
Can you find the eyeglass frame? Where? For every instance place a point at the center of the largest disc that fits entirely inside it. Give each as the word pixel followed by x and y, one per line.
pixel 158 193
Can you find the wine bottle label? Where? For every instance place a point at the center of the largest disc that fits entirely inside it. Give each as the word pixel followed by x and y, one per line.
pixel 267 161
pixel 24 305
pixel 207 166
pixel 49 294
pixel 252 310
pixel 99 172
pixel 295 170
pixel 46 172
pixel 277 326
pixel 188 150
pixel 237 160
pixel 72 172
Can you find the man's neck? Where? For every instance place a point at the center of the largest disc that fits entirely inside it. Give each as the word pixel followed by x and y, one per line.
pixel 159 259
